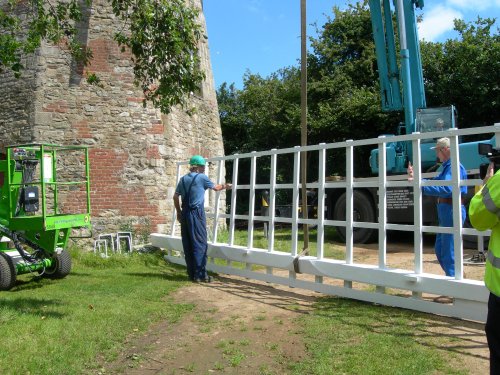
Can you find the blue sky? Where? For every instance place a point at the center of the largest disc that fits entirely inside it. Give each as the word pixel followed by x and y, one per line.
pixel 263 36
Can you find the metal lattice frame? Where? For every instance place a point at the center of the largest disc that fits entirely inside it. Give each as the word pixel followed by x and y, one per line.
pixel 469 296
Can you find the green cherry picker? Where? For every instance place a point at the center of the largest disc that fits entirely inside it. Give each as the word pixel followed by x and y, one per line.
pixel 44 194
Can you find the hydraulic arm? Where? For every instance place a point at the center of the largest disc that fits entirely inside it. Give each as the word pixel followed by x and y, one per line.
pixel 402 87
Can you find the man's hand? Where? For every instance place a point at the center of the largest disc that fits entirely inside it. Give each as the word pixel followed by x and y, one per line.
pixel 177 206
pixel 409 170
pixel 489 173
pixel 222 187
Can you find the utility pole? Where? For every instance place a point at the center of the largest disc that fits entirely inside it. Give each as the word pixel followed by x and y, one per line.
pixel 303 118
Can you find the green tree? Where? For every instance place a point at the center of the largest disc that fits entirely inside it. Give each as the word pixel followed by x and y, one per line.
pixel 264 115
pixel 343 99
pixel 466 72
pixel 343 88
pixel 234 122
pixel 162 36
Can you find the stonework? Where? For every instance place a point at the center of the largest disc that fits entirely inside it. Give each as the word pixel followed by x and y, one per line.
pixel 134 150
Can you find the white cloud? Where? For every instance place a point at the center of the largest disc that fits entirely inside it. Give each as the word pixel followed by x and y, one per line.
pixel 474 5
pixel 258 9
pixel 437 21
pixel 462 4
pixel 254 6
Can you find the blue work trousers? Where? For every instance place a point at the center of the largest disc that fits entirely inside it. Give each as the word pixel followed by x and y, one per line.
pixel 445 250
pixel 194 242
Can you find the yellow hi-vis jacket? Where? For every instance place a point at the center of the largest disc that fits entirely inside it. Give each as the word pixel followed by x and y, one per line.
pixel 484 213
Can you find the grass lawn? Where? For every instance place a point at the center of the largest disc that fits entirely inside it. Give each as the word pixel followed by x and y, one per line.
pixel 282 242
pixel 65 326
pixel 70 326
pixel 351 337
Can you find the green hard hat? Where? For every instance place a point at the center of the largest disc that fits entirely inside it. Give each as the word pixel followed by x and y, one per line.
pixel 197 160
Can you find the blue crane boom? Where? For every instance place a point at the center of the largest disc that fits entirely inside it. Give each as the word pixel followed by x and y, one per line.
pixel 411 65
pixel 402 86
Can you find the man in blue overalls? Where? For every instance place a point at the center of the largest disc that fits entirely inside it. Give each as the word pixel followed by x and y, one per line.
pixel 191 188
pixel 444 247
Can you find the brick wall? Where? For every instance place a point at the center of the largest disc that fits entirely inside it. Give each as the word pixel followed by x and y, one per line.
pixel 134 150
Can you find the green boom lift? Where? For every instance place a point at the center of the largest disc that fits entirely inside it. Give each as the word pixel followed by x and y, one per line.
pixel 44 194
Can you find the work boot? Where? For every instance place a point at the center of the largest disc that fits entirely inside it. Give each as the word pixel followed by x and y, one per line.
pixel 478 258
pixel 207 279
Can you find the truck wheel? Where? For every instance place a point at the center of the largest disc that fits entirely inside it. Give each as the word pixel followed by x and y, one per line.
pixel 363 210
pixel 7 272
pixel 61 266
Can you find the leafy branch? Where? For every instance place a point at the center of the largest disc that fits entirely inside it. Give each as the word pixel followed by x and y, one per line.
pixel 162 36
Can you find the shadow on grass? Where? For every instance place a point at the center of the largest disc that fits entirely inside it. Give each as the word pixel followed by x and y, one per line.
pixel 79 274
pixel 33 283
pixel 156 275
pixel 265 294
pixel 426 329
pixel 461 337
pixel 36 282
pixel 31 306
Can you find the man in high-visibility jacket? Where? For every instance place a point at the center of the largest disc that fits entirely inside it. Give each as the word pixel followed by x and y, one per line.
pixel 484 211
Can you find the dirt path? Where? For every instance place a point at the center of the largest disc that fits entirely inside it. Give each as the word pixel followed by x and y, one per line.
pixel 237 327
pixel 241 326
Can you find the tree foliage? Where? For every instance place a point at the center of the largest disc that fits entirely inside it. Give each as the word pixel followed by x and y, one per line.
pixel 466 72
pixel 343 88
pixel 343 100
pixel 162 36
pixel 264 115
pixel 53 22
pixel 343 79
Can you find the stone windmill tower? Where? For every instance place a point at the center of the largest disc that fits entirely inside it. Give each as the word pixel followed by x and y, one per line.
pixel 134 150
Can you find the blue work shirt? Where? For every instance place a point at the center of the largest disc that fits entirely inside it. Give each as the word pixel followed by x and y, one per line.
pixel 445 191
pixel 197 195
